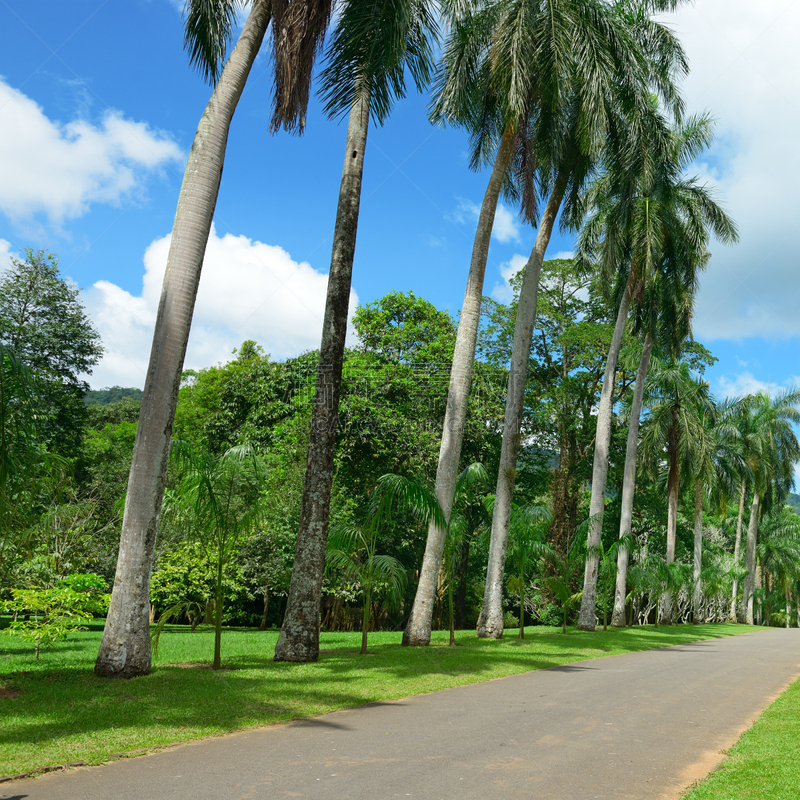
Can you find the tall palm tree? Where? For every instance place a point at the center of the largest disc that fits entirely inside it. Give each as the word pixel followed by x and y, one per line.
pixel 643 211
pixel 778 553
pixel 299 28
pixel 715 465
pixel 373 47
pixel 736 416
pixel 508 75
pixel 664 317
pixel 678 406
pixel 776 450
pixel 125 647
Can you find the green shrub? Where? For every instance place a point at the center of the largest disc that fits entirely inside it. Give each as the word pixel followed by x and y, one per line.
pixel 510 621
pixel 42 616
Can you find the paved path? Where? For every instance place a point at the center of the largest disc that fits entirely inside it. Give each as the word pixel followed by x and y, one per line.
pixel 642 725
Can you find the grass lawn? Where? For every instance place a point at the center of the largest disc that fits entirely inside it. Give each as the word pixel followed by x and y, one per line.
pixel 765 762
pixel 57 711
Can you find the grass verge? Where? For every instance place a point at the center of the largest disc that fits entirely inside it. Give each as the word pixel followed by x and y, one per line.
pixel 56 711
pixel 765 762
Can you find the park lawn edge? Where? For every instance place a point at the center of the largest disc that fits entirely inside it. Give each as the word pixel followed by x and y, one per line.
pixel 764 761
pixel 61 749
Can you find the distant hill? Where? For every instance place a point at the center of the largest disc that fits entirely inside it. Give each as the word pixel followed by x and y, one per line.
pixel 794 502
pixel 112 394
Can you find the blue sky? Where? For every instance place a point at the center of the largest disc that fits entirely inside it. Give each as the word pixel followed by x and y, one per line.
pixel 98 107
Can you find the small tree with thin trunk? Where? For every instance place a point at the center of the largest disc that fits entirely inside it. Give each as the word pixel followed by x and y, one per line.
pixel 217 504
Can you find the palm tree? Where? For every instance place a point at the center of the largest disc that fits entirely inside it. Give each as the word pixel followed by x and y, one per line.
pixel 526 543
pixel 778 553
pixel 373 47
pixel 716 465
pixel 664 316
pixel 508 74
pixel 125 647
pixel 678 405
pixel 471 481
pixel 629 484
pixel 352 551
pixel 737 419
pixel 776 451
pixel 643 212
pixel 564 570
pixel 216 503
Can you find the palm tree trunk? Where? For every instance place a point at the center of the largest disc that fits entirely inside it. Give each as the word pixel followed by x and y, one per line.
pixel 490 620
pixel 666 602
pixel 698 551
pixel 602 440
pixel 299 636
pixel 733 616
pixel 218 621
pixel 750 562
pixel 452 614
pixel 263 625
pixel 418 628
pixel 629 484
pixel 125 647
pixel 365 624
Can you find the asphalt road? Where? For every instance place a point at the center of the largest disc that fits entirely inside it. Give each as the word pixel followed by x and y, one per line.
pixel 641 725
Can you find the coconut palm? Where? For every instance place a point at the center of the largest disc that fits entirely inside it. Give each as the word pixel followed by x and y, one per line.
pixel 508 75
pixel 775 452
pixel 125 647
pixel 373 47
pixel 643 211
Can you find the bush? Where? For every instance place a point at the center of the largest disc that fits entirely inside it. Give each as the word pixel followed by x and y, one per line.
pixel 510 621
pixel 51 614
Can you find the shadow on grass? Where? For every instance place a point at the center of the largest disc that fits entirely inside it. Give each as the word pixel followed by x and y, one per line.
pixel 62 708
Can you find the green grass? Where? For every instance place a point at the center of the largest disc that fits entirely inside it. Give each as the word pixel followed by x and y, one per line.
pixel 765 762
pixel 60 712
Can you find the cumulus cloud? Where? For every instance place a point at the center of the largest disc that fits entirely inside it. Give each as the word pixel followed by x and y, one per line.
pixel 5 254
pixel 505 228
pixel 248 290
pixel 746 69
pixel 59 170
pixel 502 292
pixel 744 383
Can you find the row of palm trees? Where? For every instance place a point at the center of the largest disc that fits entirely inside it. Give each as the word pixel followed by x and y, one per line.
pixel 721 453
pixel 575 106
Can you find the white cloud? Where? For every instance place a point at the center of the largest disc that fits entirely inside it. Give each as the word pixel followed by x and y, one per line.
pixel 5 255
pixel 745 70
pixel 744 383
pixel 563 254
pixel 60 169
pixel 505 228
pixel 248 290
pixel 502 292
